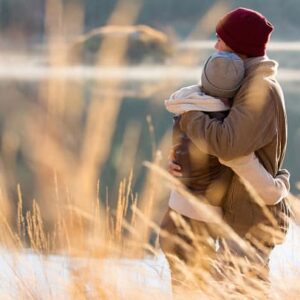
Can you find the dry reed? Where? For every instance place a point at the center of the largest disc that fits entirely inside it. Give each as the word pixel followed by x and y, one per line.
pixel 68 217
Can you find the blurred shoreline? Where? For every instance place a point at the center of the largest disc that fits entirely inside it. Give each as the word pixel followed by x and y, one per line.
pixel 32 65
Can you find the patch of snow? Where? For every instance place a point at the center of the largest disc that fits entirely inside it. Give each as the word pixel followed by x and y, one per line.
pixel 36 276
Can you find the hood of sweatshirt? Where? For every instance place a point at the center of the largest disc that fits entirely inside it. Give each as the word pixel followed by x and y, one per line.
pixel 262 65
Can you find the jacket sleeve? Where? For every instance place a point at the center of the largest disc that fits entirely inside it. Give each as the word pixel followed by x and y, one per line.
pixel 250 124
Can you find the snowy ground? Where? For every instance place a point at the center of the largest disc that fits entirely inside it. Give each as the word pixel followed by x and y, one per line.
pixel 285 259
pixel 52 277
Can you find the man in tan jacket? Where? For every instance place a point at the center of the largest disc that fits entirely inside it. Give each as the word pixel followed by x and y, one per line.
pixel 256 123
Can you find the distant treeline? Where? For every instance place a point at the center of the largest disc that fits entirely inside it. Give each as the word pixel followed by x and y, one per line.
pixel 25 19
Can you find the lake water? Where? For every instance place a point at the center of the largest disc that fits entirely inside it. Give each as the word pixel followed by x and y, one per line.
pixel 153 83
pixel 40 273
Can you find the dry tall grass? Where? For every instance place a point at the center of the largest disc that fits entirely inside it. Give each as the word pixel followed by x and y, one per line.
pixel 66 142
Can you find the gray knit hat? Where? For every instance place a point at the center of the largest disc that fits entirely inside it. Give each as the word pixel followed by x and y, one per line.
pixel 222 74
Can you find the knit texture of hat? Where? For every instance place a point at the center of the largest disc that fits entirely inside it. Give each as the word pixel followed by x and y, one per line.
pixel 245 31
pixel 222 74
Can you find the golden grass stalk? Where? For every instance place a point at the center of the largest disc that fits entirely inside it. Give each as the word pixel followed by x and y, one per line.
pixel 66 143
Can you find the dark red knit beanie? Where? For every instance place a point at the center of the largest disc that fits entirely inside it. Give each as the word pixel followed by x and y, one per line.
pixel 245 31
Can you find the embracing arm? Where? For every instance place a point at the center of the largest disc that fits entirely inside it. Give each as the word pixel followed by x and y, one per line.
pixel 250 124
pixel 249 169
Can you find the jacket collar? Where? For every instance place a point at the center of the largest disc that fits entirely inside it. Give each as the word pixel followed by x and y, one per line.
pixel 262 64
pixel 254 60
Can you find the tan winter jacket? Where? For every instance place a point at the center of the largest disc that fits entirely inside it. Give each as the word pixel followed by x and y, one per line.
pixel 256 123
